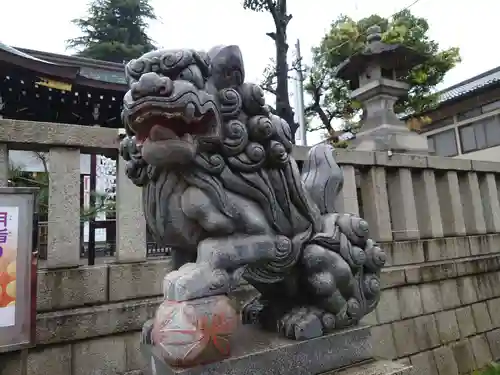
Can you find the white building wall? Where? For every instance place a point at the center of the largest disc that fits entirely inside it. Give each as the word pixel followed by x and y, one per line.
pixel 29 162
pixel 488 154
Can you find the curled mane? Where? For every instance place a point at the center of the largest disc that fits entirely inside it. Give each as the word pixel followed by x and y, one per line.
pixel 253 160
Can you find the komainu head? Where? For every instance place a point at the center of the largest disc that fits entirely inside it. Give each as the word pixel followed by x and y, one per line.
pixel 179 102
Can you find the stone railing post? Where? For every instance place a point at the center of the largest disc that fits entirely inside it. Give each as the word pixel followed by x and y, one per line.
pixel 450 203
pixel 472 204
pixel 402 204
pixel 63 242
pixel 376 203
pixel 491 205
pixel 347 200
pixel 131 225
pixel 4 165
pixel 428 207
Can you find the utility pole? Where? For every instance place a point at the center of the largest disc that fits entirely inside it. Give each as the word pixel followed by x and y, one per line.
pixel 300 96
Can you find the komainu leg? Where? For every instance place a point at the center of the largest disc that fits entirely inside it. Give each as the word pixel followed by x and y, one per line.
pixel 285 308
pixel 341 269
pixel 217 259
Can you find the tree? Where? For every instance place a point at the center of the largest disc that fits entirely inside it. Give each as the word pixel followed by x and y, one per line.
pixel 276 75
pixel 330 97
pixel 114 30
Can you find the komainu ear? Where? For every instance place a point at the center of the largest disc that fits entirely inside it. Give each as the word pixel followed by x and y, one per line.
pixel 226 64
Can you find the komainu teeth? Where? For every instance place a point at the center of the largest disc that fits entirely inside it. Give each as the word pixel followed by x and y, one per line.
pixel 188 116
pixel 189 112
pixel 187 138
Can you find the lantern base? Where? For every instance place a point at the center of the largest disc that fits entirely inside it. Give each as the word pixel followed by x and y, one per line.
pixel 395 138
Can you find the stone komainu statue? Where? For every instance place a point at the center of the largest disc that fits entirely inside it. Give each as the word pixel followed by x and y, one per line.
pixel 220 185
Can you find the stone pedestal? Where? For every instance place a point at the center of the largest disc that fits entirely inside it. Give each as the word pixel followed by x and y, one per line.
pixel 396 138
pixel 256 352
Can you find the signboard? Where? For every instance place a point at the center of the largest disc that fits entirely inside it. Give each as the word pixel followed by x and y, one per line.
pixel 17 268
pixel 56 85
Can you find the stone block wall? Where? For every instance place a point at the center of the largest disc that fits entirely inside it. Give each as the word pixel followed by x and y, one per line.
pixel 90 317
pixel 440 304
pixel 89 320
pixel 439 311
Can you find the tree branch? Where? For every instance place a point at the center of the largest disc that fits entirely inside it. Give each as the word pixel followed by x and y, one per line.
pixel 272 36
pixel 269 89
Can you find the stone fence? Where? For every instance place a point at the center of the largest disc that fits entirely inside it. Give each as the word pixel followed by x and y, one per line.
pixel 64 143
pixel 437 218
pixel 406 197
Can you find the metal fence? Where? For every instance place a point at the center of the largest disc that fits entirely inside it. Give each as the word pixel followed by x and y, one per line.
pixel 101 248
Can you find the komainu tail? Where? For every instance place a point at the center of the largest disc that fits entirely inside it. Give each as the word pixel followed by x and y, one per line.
pixel 322 177
pixel 354 259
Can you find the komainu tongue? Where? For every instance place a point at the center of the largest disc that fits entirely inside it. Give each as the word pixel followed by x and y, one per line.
pixel 161 133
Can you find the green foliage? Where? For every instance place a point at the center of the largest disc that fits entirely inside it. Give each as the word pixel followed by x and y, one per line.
pixel 341 144
pixel 114 30
pixel 20 178
pixel 491 369
pixel 347 37
pixel 258 5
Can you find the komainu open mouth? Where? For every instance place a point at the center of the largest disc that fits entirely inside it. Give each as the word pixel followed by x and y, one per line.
pixel 160 124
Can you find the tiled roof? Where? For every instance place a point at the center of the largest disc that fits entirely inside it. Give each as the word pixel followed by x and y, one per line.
pixel 470 85
pixel 103 71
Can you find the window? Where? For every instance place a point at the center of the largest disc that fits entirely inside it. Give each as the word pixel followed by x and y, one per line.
pixel 444 143
pixel 430 143
pixel 480 135
pixel 492 127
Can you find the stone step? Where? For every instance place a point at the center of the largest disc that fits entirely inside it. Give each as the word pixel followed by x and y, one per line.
pixel 380 367
pixel 256 352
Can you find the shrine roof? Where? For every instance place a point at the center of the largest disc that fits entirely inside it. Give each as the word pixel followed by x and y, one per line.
pixel 79 70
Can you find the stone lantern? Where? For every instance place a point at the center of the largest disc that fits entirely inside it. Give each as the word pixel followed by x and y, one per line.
pixel 373 76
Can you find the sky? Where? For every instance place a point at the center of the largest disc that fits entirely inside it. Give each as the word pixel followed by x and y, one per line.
pixel 201 24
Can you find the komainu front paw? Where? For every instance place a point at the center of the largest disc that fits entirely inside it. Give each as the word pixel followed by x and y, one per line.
pixel 252 311
pixel 302 323
pixel 195 280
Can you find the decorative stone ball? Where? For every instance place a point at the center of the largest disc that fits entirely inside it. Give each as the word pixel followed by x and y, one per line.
pixel 194 332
